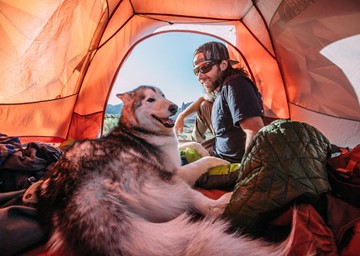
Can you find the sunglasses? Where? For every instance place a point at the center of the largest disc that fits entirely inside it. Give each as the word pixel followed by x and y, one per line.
pixel 206 67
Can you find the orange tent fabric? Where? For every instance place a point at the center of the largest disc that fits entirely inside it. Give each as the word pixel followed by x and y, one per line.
pixel 54 82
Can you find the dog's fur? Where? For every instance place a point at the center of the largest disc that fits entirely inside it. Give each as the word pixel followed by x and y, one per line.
pixel 127 193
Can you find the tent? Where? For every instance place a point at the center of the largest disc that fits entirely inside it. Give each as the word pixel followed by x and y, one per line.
pixel 59 59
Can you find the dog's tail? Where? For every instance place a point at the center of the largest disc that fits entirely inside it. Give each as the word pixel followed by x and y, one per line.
pixel 182 236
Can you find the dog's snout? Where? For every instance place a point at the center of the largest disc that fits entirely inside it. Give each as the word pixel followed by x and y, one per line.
pixel 173 109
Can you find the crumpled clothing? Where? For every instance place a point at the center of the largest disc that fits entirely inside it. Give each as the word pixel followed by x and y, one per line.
pixel 22 165
pixel 8 146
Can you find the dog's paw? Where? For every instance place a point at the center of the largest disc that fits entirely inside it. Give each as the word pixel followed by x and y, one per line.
pixel 213 161
pixel 220 204
pixel 225 198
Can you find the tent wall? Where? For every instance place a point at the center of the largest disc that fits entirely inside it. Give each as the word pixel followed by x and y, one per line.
pixel 266 72
pixel 42 48
pixel 339 131
pixel 317 89
pixel 35 119
pixel 59 59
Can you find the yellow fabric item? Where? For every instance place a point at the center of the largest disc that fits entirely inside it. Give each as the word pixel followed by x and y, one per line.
pixel 192 155
pixel 224 169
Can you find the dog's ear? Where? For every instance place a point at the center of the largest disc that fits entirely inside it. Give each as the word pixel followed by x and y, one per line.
pixel 126 98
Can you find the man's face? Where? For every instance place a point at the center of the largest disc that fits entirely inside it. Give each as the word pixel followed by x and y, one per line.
pixel 210 80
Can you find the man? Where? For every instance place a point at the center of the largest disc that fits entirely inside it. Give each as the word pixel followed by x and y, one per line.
pixel 237 109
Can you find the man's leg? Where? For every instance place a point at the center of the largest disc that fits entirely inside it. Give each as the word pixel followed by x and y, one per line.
pixel 202 122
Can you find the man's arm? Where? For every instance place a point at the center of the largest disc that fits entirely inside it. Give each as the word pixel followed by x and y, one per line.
pixel 251 126
pixel 193 107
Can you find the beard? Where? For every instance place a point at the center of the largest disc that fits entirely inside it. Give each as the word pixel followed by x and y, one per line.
pixel 214 82
pixel 214 88
pixel 217 83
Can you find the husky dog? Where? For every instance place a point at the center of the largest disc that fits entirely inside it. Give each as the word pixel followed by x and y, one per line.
pixel 127 193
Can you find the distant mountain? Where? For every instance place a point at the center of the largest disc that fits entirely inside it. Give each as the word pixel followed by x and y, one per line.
pixel 182 108
pixel 113 109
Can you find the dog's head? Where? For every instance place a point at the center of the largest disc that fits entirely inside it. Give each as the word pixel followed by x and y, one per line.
pixel 147 108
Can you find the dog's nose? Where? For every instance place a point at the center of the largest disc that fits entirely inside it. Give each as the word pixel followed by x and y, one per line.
pixel 173 109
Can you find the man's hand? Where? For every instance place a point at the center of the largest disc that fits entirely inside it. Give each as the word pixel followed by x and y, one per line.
pixel 179 125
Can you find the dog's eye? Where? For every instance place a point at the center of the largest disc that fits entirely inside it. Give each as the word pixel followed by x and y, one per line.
pixel 151 100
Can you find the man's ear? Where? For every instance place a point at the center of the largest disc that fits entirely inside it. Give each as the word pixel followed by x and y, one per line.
pixel 223 65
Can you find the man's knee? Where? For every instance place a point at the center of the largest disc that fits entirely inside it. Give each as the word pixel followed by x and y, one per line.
pixel 205 108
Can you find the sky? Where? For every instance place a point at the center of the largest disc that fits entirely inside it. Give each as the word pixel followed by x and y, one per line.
pixel 165 61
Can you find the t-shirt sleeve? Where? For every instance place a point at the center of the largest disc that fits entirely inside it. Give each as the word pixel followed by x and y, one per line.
pixel 244 99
